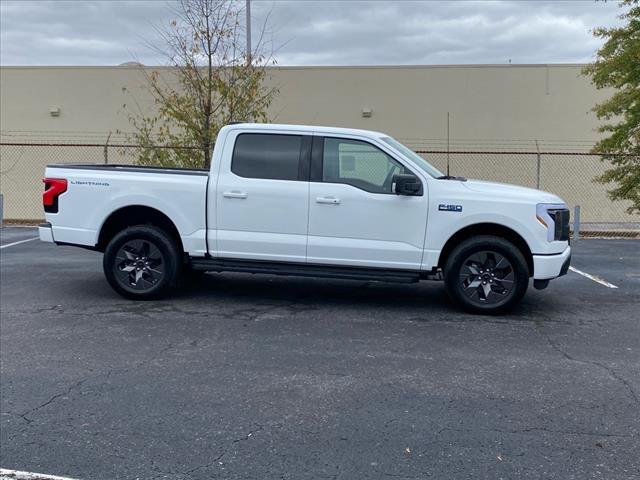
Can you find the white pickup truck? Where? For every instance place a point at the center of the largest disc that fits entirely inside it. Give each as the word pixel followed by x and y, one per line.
pixel 310 201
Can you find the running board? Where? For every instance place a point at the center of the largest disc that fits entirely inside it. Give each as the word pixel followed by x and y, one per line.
pixel 307 270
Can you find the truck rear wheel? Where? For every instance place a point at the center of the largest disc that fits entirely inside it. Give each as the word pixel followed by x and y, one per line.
pixel 486 274
pixel 142 263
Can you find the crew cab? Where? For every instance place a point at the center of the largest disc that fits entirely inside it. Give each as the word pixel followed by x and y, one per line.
pixel 310 201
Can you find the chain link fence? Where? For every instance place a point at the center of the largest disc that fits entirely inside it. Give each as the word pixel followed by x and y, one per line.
pixel 569 174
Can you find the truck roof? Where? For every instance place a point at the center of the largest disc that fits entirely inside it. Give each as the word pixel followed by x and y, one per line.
pixel 308 129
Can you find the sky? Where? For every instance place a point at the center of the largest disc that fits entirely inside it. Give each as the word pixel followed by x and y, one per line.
pixel 318 32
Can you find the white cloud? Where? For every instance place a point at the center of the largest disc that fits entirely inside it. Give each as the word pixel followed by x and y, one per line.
pixel 318 33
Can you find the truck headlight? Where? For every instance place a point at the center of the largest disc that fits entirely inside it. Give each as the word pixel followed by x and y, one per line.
pixel 555 217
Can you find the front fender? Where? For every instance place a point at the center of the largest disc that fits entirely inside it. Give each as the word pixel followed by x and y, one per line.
pixel 443 225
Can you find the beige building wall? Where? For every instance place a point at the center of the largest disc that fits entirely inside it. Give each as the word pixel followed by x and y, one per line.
pixel 487 103
pixel 492 108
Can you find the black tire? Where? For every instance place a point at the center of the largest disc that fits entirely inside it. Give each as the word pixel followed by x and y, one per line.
pixel 490 286
pixel 142 263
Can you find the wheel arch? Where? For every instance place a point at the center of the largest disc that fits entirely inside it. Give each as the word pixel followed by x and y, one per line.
pixel 494 229
pixel 132 215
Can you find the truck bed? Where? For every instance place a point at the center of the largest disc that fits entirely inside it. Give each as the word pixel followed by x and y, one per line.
pixel 95 192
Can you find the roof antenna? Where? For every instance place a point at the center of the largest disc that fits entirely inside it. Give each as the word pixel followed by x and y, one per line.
pixel 447 144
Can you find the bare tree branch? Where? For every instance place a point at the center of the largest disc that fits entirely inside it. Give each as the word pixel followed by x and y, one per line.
pixel 209 83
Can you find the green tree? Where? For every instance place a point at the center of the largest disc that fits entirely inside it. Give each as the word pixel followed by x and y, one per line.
pixel 617 66
pixel 212 81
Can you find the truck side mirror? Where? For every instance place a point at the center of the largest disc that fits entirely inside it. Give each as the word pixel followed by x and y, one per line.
pixel 407 184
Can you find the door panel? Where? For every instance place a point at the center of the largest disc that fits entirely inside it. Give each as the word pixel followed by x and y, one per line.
pixel 263 218
pixel 354 216
pixel 365 229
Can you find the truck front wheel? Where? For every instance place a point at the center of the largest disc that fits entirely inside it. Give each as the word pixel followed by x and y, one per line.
pixel 142 263
pixel 486 274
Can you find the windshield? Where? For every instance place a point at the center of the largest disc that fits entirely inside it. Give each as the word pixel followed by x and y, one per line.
pixel 410 154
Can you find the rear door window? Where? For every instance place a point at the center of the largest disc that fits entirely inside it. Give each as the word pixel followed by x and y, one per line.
pixel 267 156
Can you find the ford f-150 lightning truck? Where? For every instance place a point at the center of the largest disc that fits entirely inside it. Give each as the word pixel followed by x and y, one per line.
pixel 310 201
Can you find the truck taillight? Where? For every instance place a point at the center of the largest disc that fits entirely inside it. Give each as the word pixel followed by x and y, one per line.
pixel 53 188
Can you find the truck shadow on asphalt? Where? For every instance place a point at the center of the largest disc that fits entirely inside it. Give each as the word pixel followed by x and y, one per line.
pixel 260 297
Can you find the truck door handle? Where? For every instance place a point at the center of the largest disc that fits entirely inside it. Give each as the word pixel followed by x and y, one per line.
pixel 235 194
pixel 329 200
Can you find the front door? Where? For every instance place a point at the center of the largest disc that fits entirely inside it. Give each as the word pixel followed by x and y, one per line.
pixel 262 197
pixel 355 218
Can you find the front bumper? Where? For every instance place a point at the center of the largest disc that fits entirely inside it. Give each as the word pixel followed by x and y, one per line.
pixel 546 267
pixel 46 233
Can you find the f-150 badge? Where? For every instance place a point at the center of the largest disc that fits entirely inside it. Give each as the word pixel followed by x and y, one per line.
pixel 449 208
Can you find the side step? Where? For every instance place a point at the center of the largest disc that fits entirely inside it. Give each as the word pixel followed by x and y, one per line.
pixel 306 270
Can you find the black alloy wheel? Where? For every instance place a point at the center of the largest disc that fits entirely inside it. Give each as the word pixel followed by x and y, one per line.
pixel 486 274
pixel 142 262
pixel 139 265
pixel 487 277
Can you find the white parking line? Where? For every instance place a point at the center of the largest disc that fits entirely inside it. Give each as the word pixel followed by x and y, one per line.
pixel 16 475
pixel 592 277
pixel 18 243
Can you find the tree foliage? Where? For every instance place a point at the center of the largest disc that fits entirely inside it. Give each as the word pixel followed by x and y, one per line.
pixel 212 81
pixel 617 66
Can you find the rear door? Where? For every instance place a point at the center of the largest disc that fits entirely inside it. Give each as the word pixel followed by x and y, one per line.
pixel 355 218
pixel 262 196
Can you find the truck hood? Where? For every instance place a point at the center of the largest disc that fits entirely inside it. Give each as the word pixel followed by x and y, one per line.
pixel 511 191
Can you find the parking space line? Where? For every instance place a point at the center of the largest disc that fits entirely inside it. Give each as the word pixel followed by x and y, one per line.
pixel 18 243
pixel 18 475
pixel 592 277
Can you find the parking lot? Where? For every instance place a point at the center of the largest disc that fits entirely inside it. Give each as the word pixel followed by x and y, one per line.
pixel 260 377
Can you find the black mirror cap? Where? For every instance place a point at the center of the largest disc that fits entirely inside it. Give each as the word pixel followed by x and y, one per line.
pixel 407 184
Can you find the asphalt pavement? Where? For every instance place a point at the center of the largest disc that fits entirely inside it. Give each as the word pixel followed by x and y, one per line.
pixel 265 377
